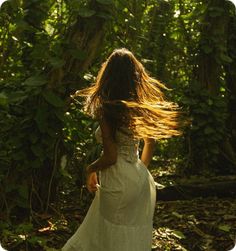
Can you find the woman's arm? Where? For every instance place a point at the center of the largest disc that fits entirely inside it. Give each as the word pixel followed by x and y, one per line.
pixel 109 155
pixel 148 150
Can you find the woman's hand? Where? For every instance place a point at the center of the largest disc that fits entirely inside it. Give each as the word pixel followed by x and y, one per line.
pixel 92 181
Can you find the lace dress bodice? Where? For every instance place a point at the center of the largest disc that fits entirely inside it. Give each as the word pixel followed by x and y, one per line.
pixel 127 145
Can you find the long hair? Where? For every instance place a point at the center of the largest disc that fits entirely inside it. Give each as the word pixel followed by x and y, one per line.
pixel 127 97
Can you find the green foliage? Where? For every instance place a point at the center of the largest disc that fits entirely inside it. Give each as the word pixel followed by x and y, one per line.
pixel 28 143
pixel 32 112
pixel 80 141
pixel 208 129
pixel 46 140
pixel 35 44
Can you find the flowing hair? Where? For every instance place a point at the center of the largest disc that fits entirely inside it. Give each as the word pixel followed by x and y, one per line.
pixel 127 97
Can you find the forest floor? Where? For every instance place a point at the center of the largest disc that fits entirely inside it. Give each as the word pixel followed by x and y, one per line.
pixel 193 225
pixel 200 223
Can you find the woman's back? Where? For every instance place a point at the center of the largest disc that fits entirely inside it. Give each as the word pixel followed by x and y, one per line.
pixel 127 145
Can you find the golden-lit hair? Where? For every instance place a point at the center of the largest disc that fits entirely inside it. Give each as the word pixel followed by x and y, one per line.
pixel 126 96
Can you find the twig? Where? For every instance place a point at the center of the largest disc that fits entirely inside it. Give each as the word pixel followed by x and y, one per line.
pixel 53 173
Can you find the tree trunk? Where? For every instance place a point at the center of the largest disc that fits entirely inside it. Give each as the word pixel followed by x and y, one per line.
pixel 209 69
pixel 85 36
pixel 231 85
pixel 222 188
pixel 208 75
pixel 157 41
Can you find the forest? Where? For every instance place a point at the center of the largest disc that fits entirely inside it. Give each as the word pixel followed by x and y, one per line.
pixel 51 48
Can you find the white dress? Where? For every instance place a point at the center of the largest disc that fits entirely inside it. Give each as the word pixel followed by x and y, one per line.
pixel 120 217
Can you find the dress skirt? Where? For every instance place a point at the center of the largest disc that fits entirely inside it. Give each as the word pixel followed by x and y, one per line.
pixel 120 217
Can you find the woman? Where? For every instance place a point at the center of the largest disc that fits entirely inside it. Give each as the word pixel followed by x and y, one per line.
pixel 129 106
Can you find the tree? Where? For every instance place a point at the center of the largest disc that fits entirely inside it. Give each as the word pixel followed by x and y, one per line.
pixel 209 108
pixel 51 68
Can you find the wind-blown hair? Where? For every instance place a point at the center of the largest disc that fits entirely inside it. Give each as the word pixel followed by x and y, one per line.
pixel 127 97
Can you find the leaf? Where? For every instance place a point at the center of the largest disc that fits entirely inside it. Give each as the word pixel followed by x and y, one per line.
pixel 56 62
pixel 225 58
pixel 105 1
pixel 89 77
pixel 225 228
pixel 63 170
pixel 35 81
pixel 180 216
pixel 178 234
pixel 210 102
pixel 53 99
pixel 65 173
pixel 16 97
pixel 229 217
pixel 175 35
pixel 85 12
pixel 209 130
pixel 63 161
pixel 104 15
pixel 3 99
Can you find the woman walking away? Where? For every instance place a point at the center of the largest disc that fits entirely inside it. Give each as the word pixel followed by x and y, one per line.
pixel 129 105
